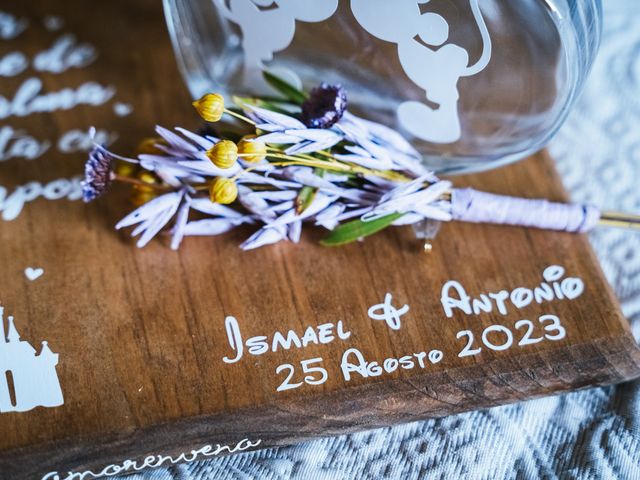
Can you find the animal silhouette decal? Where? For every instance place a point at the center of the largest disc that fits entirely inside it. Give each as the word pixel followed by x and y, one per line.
pixel 268 26
pixel 431 63
pixel 427 56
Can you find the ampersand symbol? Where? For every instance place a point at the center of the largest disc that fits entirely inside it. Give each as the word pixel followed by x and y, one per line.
pixel 387 312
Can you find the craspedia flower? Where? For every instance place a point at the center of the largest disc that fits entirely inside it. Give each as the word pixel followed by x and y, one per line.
pixel 252 150
pixel 223 154
pixel 147 178
pixel 210 107
pixel 325 106
pixel 98 173
pixel 125 169
pixel 223 190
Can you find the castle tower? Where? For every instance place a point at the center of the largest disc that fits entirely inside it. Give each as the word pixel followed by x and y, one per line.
pixel 50 391
pixel 22 367
pixel 12 335
pixel 5 396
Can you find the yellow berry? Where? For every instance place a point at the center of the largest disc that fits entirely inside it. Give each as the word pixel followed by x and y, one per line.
pixel 223 190
pixel 125 169
pixel 252 151
pixel 148 178
pixel 210 107
pixel 223 154
pixel 139 198
pixel 150 146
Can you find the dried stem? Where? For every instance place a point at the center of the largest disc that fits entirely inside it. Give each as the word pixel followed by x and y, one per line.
pixel 620 220
pixel 239 116
pixel 140 183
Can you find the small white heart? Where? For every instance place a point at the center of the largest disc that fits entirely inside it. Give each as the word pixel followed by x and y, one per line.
pixel 33 273
pixel 122 109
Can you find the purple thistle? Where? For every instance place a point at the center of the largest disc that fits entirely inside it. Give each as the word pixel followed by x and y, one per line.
pixel 97 173
pixel 325 106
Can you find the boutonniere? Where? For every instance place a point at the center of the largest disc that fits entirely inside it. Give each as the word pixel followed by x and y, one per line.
pixel 303 159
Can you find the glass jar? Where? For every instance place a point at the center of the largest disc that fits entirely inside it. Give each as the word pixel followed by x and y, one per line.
pixel 473 84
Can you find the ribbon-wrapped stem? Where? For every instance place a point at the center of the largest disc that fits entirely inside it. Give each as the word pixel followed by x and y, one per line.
pixel 469 205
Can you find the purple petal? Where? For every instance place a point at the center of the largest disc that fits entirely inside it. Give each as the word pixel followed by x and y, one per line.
pixel 205 205
pixel 150 209
pixel 203 142
pixel 284 121
pixel 328 218
pixel 181 221
pixel 315 134
pixel 264 236
pixel 348 215
pixel 268 127
pixel 205 167
pixel 276 196
pixel 366 161
pixel 295 231
pixel 212 226
pixel 281 207
pixel 408 219
pixel 278 137
pixel 320 202
pixel 256 205
pixel 159 222
pixel 250 177
pixel 311 147
pixel 175 140
pixel 386 135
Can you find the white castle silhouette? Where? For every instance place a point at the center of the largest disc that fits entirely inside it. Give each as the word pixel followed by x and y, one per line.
pixel 27 380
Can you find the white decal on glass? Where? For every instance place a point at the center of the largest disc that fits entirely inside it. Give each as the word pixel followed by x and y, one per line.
pixel 268 26
pixel 27 380
pixel 430 62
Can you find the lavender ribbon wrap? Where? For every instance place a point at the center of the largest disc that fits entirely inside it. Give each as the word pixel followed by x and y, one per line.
pixel 469 205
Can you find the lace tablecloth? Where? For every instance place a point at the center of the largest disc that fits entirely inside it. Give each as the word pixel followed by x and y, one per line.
pixel 587 435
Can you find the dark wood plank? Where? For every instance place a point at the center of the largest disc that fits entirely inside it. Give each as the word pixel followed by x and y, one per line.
pixel 141 333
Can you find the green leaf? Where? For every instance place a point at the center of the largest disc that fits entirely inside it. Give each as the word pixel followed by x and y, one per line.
pixel 307 194
pixel 259 102
pixel 304 198
pixel 351 231
pixel 290 92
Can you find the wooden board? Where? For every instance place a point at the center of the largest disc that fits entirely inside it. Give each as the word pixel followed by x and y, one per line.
pixel 141 334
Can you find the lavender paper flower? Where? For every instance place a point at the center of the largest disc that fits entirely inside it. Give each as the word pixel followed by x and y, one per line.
pixel 98 172
pixel 325 107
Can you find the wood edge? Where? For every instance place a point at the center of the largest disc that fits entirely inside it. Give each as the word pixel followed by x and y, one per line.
pixel 605 362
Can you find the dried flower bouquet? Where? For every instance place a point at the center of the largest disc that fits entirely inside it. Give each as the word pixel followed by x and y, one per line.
pixel 303 158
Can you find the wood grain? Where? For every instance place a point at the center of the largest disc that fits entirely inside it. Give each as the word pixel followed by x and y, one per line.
pixel 141 333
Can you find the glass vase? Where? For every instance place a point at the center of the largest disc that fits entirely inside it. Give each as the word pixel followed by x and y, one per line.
pixel 473 84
